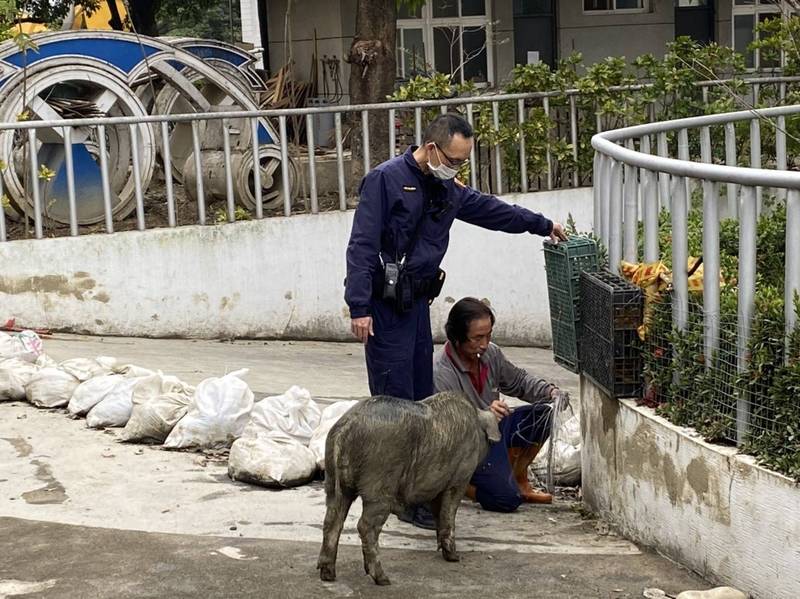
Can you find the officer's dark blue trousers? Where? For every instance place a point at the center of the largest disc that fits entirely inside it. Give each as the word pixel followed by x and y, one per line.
pixel 495 487
pixel 400 355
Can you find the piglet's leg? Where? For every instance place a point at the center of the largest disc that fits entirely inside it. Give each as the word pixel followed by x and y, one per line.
pixel 448 503
pixel 373 517
pixel 337 507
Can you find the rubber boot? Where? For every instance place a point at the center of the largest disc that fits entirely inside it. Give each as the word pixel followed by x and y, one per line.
pixel 470 492
pixel 521 458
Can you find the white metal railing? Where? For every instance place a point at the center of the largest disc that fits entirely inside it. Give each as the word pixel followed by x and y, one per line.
pixel 624 174
pixel 149 136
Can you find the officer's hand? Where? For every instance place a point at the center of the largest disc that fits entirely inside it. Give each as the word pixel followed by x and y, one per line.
pixel 499 408
pixel 362 328
pixel 558 233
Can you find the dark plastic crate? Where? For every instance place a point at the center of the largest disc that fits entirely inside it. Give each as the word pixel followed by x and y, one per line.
pixel 564 263
pixel 611 312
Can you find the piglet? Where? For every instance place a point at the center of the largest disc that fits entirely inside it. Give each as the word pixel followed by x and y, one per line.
pixel 395 453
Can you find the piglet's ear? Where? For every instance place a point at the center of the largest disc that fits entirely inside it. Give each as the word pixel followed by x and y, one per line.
pixel 489 425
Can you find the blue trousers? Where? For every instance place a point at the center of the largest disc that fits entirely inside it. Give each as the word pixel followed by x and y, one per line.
pixel 400 355
pixel 495 487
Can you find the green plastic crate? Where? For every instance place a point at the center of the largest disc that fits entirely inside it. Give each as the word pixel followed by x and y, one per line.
pixel 564 262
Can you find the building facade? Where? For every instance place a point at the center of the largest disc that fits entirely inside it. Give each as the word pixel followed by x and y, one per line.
pixel 482 40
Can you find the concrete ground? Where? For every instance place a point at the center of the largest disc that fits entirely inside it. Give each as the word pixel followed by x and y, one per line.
pixel 82 515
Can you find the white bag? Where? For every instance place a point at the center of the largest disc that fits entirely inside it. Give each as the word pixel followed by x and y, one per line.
pixel 330 416
pixel 84 369
pixel 567 454
pixel 159 402
pixel 133 371
pixel 271 459
pixel 51 388
pixel 25 345
pixel 217 415
pixel 293 413
pixel 115 408
pixel 45 361
pixel 92 392
pixel 14 375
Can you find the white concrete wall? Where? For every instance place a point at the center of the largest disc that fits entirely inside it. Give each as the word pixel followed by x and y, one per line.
pixel 703 505
pixel 275 278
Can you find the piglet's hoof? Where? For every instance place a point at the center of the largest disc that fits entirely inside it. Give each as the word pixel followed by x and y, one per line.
pixel 451 556
pixel 382 580
pixel 327 573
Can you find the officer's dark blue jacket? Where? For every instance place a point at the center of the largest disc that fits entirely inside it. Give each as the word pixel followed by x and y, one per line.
pixel 393 198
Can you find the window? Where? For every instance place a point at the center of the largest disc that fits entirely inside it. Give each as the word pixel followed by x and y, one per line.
pixel 448 36
pixel 611 6
pixel 746 15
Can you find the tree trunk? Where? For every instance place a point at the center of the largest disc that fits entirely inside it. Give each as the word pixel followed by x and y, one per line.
pixel 143 16
pixel 372 73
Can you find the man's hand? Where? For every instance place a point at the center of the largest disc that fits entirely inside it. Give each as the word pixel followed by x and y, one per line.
pixel 558 233
pixel 499 408
pixel 362 328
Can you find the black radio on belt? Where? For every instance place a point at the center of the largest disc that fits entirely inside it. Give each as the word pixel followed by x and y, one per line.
pixel 391 280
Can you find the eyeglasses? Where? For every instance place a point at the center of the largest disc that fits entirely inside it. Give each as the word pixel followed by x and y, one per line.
pixel 451 161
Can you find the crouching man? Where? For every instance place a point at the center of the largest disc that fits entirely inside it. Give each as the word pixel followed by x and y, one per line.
pixel 471 363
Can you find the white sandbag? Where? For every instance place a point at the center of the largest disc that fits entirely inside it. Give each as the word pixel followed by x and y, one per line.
pixel 25 345
pixel 51 388
pixel 293 413
pixel 566 457
pixel 217 415
pixel 115 408
pixel 159 402
pixel 45 361
pixel 271 459
pixel 14 375
pixel 84 369
pixel 90 393
pixel 133 371
pixel 330 416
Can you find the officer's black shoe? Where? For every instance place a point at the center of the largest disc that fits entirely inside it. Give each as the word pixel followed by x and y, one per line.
pixel 407 515
pixel 423 518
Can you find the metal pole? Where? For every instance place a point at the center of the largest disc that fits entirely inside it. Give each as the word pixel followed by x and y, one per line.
pixel 137 177
pixel 166 155
pixel 70 168
pixel 711 264
pixel 523 159
pixel 418 126
pixel 498 159
pixel 337 121
pixel 730 160
pixel 548 157
pixel 365 138
pixel 680 257
pixel 473 175
pixel 312 164
pixel 198 169
pixel 663 178
pixel 649 208
pixel 257 191
pixel 104 178
pixel 392 133
pixel 792 283
pixel 615 218
pixel 287 192
pixel 33 157
pixel 683 154
pixel 747 291
pixel 605 199
pixel 573 134
pixel 597 194
pixel 226 153
pixel 755 155
pixel 780 150
pixel 631 212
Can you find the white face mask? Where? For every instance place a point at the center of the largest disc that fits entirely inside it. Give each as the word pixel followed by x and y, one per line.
pixel 442 171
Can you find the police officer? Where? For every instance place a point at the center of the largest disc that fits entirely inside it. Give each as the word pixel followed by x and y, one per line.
pixel 400 234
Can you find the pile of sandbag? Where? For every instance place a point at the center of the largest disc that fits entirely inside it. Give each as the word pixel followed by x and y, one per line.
pixel 273 450
pixel 216 415
pixel 159 402
pixel 330 416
